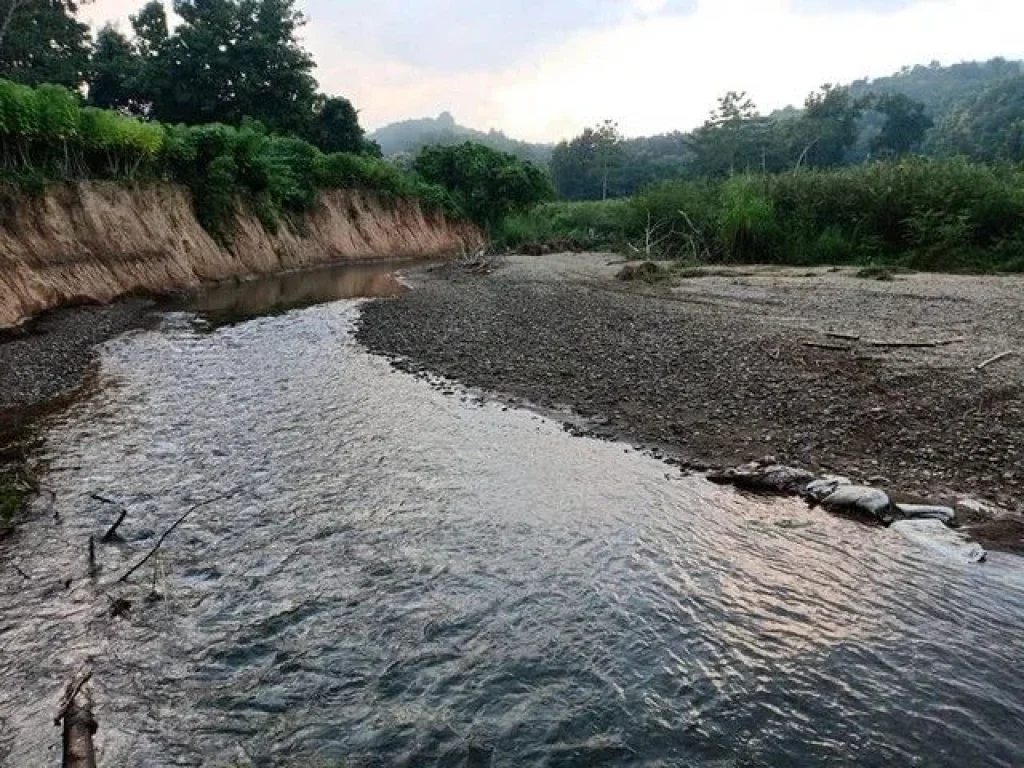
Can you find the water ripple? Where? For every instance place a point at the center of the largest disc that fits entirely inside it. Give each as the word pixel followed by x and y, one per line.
pixel 399 577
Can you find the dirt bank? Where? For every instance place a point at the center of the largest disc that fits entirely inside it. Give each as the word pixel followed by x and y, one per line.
pixel 95 241
pixel 718 370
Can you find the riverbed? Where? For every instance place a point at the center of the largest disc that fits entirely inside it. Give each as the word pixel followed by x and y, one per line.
pixel 397 573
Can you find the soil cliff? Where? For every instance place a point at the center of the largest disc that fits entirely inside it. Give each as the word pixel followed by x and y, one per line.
pixel 96 241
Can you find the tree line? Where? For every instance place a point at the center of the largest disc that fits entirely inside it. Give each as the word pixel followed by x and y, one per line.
pixel 225 61
pixel 225 102
pixel 837 126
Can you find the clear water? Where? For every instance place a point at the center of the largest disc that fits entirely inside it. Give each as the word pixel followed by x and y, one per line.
pixel 399 576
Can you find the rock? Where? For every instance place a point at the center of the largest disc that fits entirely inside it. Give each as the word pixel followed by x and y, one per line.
pixel 821 488
pixel 773 479
pixel 927 512
pixel 639 270
pixel 980 510
pixel 934 536
pixel 862 501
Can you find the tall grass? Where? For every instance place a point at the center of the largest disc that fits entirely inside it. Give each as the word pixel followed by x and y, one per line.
pixel 923 214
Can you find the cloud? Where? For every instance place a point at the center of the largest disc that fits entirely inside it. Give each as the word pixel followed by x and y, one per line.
pixel 455 35
pixel 543 69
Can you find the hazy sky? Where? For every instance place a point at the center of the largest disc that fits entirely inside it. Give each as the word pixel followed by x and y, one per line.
pixel 543 69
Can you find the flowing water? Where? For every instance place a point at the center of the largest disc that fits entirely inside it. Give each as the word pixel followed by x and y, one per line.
pixel 398 574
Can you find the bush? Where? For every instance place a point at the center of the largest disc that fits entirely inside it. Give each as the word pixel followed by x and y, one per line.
pixel 46 134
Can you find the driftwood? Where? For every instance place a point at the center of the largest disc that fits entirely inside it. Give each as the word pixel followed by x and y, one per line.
pixel 820 345
pixel 79 724
pixel 917 344
pixel 845 336
pixel 167 533
pixel 894 344
pixel 111 534
pixel 993 360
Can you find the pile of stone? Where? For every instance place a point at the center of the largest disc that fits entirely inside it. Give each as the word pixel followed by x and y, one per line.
pixel 930 526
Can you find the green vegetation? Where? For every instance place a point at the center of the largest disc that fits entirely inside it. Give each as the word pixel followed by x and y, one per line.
pixel 917 213
pixel 485 185
pixel 12 501
pixel 46 135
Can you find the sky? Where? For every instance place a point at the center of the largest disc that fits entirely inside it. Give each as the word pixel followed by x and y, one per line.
pixel 541 70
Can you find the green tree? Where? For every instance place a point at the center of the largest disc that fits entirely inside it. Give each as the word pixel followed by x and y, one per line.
pixel 607 151
pixel 114 74
pixel 905 127
pixel 226 60
pixel 487 185
pixel 989 128
pixel 41 41
pixel 829 127
pixel 584 168
pixel 335 126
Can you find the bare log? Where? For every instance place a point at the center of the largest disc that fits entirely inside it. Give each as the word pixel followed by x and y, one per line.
pixel 75 712
pixel 167 533
pixel 993 360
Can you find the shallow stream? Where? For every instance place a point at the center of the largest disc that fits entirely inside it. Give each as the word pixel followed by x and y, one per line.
pixel 401 574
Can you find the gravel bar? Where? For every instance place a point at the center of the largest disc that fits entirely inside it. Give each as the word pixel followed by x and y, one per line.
pixel 738 365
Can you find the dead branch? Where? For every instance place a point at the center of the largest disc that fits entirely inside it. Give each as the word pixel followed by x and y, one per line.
pixel 992 360
pixel 111 534
pixel 820 345
pixel 840 335
pixel 916 344
pixel 167 533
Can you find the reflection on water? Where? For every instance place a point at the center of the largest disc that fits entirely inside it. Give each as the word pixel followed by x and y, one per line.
pixel 241 300
pixel 398 577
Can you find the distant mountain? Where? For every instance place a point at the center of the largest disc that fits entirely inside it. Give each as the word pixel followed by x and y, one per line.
pixel 410 136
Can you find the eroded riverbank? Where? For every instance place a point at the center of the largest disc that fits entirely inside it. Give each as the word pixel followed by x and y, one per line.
pixel 718 370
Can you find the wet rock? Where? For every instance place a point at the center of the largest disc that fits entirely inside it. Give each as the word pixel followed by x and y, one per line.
pixel 821 488
pixel 934 536
pixel 927 512
pixel 777 478
pixel 860 501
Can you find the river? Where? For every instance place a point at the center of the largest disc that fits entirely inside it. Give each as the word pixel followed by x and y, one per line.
pixel 394 573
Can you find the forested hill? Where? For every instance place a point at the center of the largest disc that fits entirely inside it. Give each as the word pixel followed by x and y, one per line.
pixel 941 89
pixel 410 136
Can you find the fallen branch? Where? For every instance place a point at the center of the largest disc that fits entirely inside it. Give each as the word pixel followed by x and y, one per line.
pixel 820 345
pixel 846 336
pixel 111 534
pixel 993 360
pixel 917 344
pixel 167 533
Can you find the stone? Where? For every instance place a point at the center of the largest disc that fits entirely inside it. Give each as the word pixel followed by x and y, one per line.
pixel 862 501
pixel 934 536
pixel 778 478
pixel 822 487
pixel 927 512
